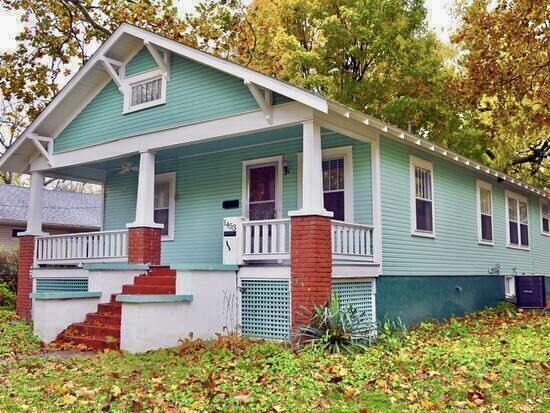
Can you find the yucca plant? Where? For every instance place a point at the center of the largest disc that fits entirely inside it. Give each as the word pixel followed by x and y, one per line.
pixel 337 328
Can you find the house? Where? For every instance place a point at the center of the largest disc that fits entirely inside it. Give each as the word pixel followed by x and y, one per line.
pixel 62 212
pixel 233 200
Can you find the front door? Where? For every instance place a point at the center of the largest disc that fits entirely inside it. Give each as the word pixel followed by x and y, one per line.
pixel 262 191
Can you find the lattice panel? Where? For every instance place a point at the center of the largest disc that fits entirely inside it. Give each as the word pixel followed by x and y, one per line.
pixel 61 285
pixel 359 294
pixel 265 309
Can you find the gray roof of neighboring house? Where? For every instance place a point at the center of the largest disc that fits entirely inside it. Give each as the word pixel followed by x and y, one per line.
pixel 58 208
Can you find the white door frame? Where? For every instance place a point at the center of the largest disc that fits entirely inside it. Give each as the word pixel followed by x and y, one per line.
pixel 272 160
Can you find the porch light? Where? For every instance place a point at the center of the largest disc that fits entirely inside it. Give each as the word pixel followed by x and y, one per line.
pixel 286 168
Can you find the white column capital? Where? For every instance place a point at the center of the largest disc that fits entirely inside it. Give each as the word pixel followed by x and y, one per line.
pixel 312 176
pixel 146 192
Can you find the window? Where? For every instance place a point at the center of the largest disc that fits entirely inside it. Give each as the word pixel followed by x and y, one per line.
pixel 509 286
pixel 518 221
pixel 334 187
pixel 545 216
pixel 144 90
pixel 422 210
pixel 165 203
pixel 15 232
pixel 485 212
pixel 337 182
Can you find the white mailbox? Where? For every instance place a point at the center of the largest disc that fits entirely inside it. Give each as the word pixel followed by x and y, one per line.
pixel 232 240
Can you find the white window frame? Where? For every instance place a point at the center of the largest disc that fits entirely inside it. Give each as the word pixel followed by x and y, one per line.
pixel 488 187
pixel 143 78
pixel 169 177
pixel 520 198
pixel 272 160
pixel 541 202
pixel 509 286
pixel 345 152
pixel 421 163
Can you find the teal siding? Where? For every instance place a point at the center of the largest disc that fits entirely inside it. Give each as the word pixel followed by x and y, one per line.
pixel 204 180
pixel 194 93
pixel 414 299
pixel 455 250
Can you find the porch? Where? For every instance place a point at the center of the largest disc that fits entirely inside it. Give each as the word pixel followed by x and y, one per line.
pixel 244 241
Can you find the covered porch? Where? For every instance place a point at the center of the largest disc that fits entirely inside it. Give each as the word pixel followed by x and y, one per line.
pixel 228 200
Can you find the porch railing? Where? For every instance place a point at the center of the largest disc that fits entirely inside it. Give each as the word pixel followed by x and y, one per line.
pixel 82 247
pixel 352 242
pixel 266 239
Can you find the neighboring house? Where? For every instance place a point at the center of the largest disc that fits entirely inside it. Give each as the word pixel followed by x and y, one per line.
pixel 62 212
pixel 257 198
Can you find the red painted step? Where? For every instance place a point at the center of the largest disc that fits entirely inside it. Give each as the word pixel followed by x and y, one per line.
pixel 148 289
pixel 93 343
pixel 158 280
pixel 103 320
pixel 90 330
pixel 110 308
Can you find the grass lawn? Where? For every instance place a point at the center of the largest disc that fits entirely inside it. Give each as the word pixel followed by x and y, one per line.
pixel 491 361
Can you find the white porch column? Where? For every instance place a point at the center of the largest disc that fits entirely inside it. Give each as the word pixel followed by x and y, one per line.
pixel 34 210
pixel 145 192
pixel 312 172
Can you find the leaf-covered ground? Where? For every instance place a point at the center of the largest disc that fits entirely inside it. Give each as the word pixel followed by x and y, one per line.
pixel 490 361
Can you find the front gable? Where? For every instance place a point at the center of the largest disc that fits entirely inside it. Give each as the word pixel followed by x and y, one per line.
pixel 194 92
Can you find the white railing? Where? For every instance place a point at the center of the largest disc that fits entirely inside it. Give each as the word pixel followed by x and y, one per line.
pixel 82 247
pixel 353 242
pixel 266 239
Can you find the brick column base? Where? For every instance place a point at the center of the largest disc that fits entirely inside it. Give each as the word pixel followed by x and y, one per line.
pixel 311 266
pixel 24 280
pixel 144 245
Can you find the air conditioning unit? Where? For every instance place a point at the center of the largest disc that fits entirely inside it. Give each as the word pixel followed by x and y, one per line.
pixel 530 291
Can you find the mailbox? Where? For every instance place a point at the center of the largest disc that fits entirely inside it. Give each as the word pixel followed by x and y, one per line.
pixel 232 240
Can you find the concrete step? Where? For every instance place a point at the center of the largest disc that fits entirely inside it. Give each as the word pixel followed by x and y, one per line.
pixel 148 289
pixel 109 309
pixel 90 330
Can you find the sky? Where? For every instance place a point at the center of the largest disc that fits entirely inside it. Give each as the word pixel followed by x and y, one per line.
pixel 439 17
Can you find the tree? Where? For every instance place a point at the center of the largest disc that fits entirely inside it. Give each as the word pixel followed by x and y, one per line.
pixel 505 79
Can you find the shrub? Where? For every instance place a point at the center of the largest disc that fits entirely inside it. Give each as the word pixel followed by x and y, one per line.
pixel 7 297
pixel 8 267
pixel 337 328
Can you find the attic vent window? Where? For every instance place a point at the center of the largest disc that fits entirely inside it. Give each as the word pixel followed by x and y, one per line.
pixel 145 90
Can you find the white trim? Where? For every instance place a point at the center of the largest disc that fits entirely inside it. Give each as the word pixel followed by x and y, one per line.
pixel 487 186
pixel 542 201
pixel 264 101
pixel 509 286
pixel 163 62
pixel 421 163
pixel 139 79
pixel 345 152
pixel 169 177
pixel 519 198
pixel 272 160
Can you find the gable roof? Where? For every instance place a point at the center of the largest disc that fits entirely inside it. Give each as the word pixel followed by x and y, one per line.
pixel 128 39
pixel 63 208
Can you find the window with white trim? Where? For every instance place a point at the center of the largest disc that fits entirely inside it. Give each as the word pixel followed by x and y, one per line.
pixel 485 212
pixel 165 204
pixel 545 216
pixel 145 90
pixel 422 209
pixel 334 187
pixel 518 220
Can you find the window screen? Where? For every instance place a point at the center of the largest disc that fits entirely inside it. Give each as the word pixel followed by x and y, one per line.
pixel 145 92
pixel 424 199
pixel 545 213
pixel 486 211
pixel 518 223
pixel 162 205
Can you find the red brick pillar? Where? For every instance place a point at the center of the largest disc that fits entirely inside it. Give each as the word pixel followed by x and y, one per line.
pixel 144 245
pixel 24 280
pixel 311 265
